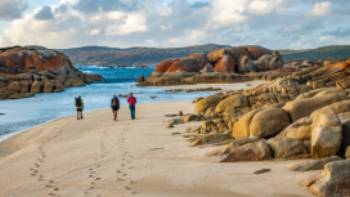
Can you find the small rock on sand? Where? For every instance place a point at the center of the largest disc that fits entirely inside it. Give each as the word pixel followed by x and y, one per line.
pixel 262 171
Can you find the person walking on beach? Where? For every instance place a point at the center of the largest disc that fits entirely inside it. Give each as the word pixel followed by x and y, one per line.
pixel 79 105
pixel 115 105
pixel 132 105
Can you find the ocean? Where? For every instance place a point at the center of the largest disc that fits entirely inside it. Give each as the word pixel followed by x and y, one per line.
pixel 21 114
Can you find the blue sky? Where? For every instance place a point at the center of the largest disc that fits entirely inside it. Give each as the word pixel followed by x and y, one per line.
pixel 274 24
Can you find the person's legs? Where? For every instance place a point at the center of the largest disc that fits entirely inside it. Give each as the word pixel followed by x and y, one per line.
pixel 115 114
pixel 81 114
pixel 132 112
pixel 78 115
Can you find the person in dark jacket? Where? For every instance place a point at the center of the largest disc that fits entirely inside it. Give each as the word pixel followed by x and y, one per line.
pixel 115 105
pixel 132 105
pixel 79 105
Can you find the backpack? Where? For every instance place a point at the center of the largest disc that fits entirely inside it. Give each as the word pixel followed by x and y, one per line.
pixel 115 102
pixel 78 102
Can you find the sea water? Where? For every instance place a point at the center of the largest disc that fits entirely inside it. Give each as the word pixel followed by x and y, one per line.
pixel 20 114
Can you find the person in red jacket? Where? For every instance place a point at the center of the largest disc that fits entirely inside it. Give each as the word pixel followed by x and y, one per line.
pixel 132 105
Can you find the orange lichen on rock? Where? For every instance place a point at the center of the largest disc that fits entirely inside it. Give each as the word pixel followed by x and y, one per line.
pixel 225 64
pixel 26 71
pixel 20 60
pixel 163 66
pixel 338 65
pixel 225 60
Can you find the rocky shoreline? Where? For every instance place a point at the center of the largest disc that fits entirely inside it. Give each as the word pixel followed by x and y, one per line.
pixel 303 114
pixel 26 71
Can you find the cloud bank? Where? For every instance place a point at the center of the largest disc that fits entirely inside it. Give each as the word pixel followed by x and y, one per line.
pixel 169 23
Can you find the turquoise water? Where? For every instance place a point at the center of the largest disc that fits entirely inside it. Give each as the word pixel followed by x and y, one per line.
pixel 25 113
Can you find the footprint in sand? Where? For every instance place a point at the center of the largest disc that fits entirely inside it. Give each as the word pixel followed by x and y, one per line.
pixel 127 188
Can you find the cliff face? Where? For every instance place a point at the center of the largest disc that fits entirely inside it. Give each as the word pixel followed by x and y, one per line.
pixel 25 71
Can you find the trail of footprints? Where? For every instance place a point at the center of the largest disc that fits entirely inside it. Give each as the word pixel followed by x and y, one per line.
pixel 36 171
pixel 92 171
pixel 122 178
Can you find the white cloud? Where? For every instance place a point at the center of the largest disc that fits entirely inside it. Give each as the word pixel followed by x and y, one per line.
pixel 226 13
pixel 263 6
pixel 166 11
pixel 94 32
pixel 321 8
pixel 130 23
pixel 164 23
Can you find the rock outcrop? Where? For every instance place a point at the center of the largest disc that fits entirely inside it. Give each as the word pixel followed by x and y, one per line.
pixel 25 71
pixel 248 150
pixel 303 114
pixel 294 117
pixel 334 180
pixel 222 65
pixel 317 164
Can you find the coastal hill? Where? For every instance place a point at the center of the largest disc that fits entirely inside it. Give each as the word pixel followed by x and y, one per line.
pixel 334 52
pixel 25 71
pixel 107 56
pixel 136 56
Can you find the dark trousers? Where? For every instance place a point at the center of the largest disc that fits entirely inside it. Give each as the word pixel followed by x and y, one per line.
pixel 132 111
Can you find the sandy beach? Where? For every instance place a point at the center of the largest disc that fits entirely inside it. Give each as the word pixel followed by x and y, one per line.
pixel 221 86
pixel 99 157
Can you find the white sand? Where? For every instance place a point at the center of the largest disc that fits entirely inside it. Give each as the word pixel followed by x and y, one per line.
pixel 222 86
pixel 99 157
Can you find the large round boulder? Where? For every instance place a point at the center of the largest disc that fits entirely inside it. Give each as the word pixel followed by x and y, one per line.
pixel 163 66
pixel 214 56
pixel 225 65
pixel 208 102
pixel 186 65
pixel 261 123
pixel 299 108
pixel 299 130
pixel 257 150
pixel 326 135
pixel 283 148
pixel 241 127
pixel 246 65
pixel 334 180
pixel 231 102
pixel 256 52
pixel 268 122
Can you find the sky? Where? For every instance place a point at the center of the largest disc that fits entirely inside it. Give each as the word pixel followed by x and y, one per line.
pixel 275 24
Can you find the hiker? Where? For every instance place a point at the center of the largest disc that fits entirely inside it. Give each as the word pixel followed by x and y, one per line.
pixel 79 106
pixel 115 105
pixel 132 105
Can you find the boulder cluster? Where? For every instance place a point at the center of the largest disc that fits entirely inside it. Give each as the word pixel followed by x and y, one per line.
pixel 222 65
pixel 25 71
pixel 303 114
